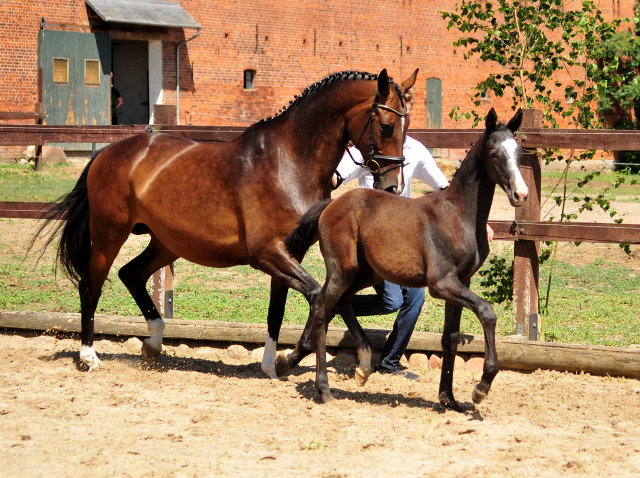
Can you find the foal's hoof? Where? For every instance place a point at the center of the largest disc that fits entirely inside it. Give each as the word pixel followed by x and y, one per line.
pixel 150 353
pixel 478 395
pixel 326 396
pixel 450 402
pixel 282 365
pixel 362 375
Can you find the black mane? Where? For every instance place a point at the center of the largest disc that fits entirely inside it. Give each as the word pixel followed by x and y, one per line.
pixel 328 80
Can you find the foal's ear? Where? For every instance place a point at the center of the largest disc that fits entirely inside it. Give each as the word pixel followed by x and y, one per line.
pixel 383 83
pixel 515 122
pixel 409 82
pixel 492 119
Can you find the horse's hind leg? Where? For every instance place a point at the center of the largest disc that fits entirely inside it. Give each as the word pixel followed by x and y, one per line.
pixel 135 275
pixel 103 252
pixel 277 302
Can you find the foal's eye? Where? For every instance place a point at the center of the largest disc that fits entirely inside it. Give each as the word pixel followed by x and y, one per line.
pixel 386 129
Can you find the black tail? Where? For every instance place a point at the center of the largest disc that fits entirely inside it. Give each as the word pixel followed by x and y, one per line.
pixel 72 216
pixel 306 232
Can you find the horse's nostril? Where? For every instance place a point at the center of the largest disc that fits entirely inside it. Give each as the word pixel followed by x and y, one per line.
pixel 392 189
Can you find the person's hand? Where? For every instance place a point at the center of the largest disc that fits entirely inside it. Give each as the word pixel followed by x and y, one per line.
pixel 334 181
pixel 489 233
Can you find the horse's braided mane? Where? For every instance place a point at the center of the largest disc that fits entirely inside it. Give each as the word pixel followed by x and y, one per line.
pixel 329 80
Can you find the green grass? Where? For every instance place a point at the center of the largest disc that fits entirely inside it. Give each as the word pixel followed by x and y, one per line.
pixel 595 303
pixel 21 183
pixel 625 192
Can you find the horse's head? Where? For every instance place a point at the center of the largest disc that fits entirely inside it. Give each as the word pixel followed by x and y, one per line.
pixel 385 118
pixel 501 154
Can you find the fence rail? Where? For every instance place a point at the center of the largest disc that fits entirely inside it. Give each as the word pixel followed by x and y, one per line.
pixel 610 140
pixel 526 232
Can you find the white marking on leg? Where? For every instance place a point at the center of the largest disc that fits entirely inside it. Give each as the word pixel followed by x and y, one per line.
pixel 521 188
pixel 269 357
pixel 364 369
pixel 88 357
pixel 156 329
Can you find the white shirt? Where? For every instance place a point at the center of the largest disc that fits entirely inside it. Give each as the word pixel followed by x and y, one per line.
pixel 418 163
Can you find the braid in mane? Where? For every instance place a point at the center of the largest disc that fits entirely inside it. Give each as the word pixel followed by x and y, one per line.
pixel 328 80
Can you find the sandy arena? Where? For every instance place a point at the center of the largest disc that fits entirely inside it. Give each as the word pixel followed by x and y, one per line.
pixel 201 413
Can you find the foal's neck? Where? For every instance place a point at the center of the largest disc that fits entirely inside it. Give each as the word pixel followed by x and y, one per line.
pixel 474 188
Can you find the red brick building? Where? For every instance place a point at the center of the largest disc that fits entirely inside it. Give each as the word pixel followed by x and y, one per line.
pixel 286 44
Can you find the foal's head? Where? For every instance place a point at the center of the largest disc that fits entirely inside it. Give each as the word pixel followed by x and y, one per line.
pixel 501 154
pixel 379 131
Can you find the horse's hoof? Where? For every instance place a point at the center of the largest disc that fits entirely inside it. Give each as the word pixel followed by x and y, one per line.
pixel 327 397
pixel 89 358
pixel 361 376
pixel 449 402
pixel 478 395
pixel 282 365
pixel 150 353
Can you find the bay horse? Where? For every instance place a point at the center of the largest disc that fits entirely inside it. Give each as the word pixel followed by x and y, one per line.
pixel 437 241
pixel 225 204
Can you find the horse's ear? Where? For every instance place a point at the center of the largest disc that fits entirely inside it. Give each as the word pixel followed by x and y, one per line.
pixel 492 119
pixel 383 83
pixel 515 122
pixel 409 82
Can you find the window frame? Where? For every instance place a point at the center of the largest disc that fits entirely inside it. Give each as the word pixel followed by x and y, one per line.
pixel 252 79
pixel 54 71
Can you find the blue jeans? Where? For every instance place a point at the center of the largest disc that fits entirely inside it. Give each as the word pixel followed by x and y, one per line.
pixel 389 298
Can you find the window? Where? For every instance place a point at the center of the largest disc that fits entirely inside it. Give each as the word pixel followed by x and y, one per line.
pixel 92 72
pixel 61 70
pixel 249 75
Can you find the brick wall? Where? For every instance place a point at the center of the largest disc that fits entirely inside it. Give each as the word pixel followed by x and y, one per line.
pixel 290 44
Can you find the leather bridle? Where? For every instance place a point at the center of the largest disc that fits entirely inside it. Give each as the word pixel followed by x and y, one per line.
pixel 372 162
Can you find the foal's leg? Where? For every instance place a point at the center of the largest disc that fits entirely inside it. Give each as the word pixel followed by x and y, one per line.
pixel 277 302
pixel 104 249
pixel 363 344
pixel 450 339
pixel 458 295
pixel 135 275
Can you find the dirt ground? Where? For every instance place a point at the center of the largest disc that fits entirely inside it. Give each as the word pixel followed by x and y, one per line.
pixel 201 413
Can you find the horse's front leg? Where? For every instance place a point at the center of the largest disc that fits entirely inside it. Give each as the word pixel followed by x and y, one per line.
pixel 457 296
pixel 450 338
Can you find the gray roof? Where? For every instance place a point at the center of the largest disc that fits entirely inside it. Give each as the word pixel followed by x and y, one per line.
pixel 143 12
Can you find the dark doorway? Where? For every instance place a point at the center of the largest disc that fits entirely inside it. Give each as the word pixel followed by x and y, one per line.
pixel 131 79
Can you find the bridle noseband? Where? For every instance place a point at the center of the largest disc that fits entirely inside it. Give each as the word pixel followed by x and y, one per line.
pixel 372 163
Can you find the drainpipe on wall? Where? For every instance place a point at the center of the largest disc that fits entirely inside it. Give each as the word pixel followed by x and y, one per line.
pixel 178 72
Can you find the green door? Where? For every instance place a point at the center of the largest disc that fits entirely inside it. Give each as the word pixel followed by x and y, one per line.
pixel 76 86
pixel 434 103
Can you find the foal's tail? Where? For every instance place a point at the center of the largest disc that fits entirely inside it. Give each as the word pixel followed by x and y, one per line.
pixel 72 216
pixel 306 232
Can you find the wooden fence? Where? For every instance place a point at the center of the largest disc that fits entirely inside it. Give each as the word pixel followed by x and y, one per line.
pixel 526 231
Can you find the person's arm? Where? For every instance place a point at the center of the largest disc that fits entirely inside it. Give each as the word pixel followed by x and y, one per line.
pixel 347 169
pixel 119 102
pixel 426 168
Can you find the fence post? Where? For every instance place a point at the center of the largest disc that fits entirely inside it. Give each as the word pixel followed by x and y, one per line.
pixel 162 291
pixel 38 149
pixel 162 279
pixel 525 267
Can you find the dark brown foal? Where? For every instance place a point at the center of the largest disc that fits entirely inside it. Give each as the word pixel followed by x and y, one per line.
pixel 437 241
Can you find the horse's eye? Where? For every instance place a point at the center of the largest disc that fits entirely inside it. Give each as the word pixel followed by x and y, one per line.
pixel 386 129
